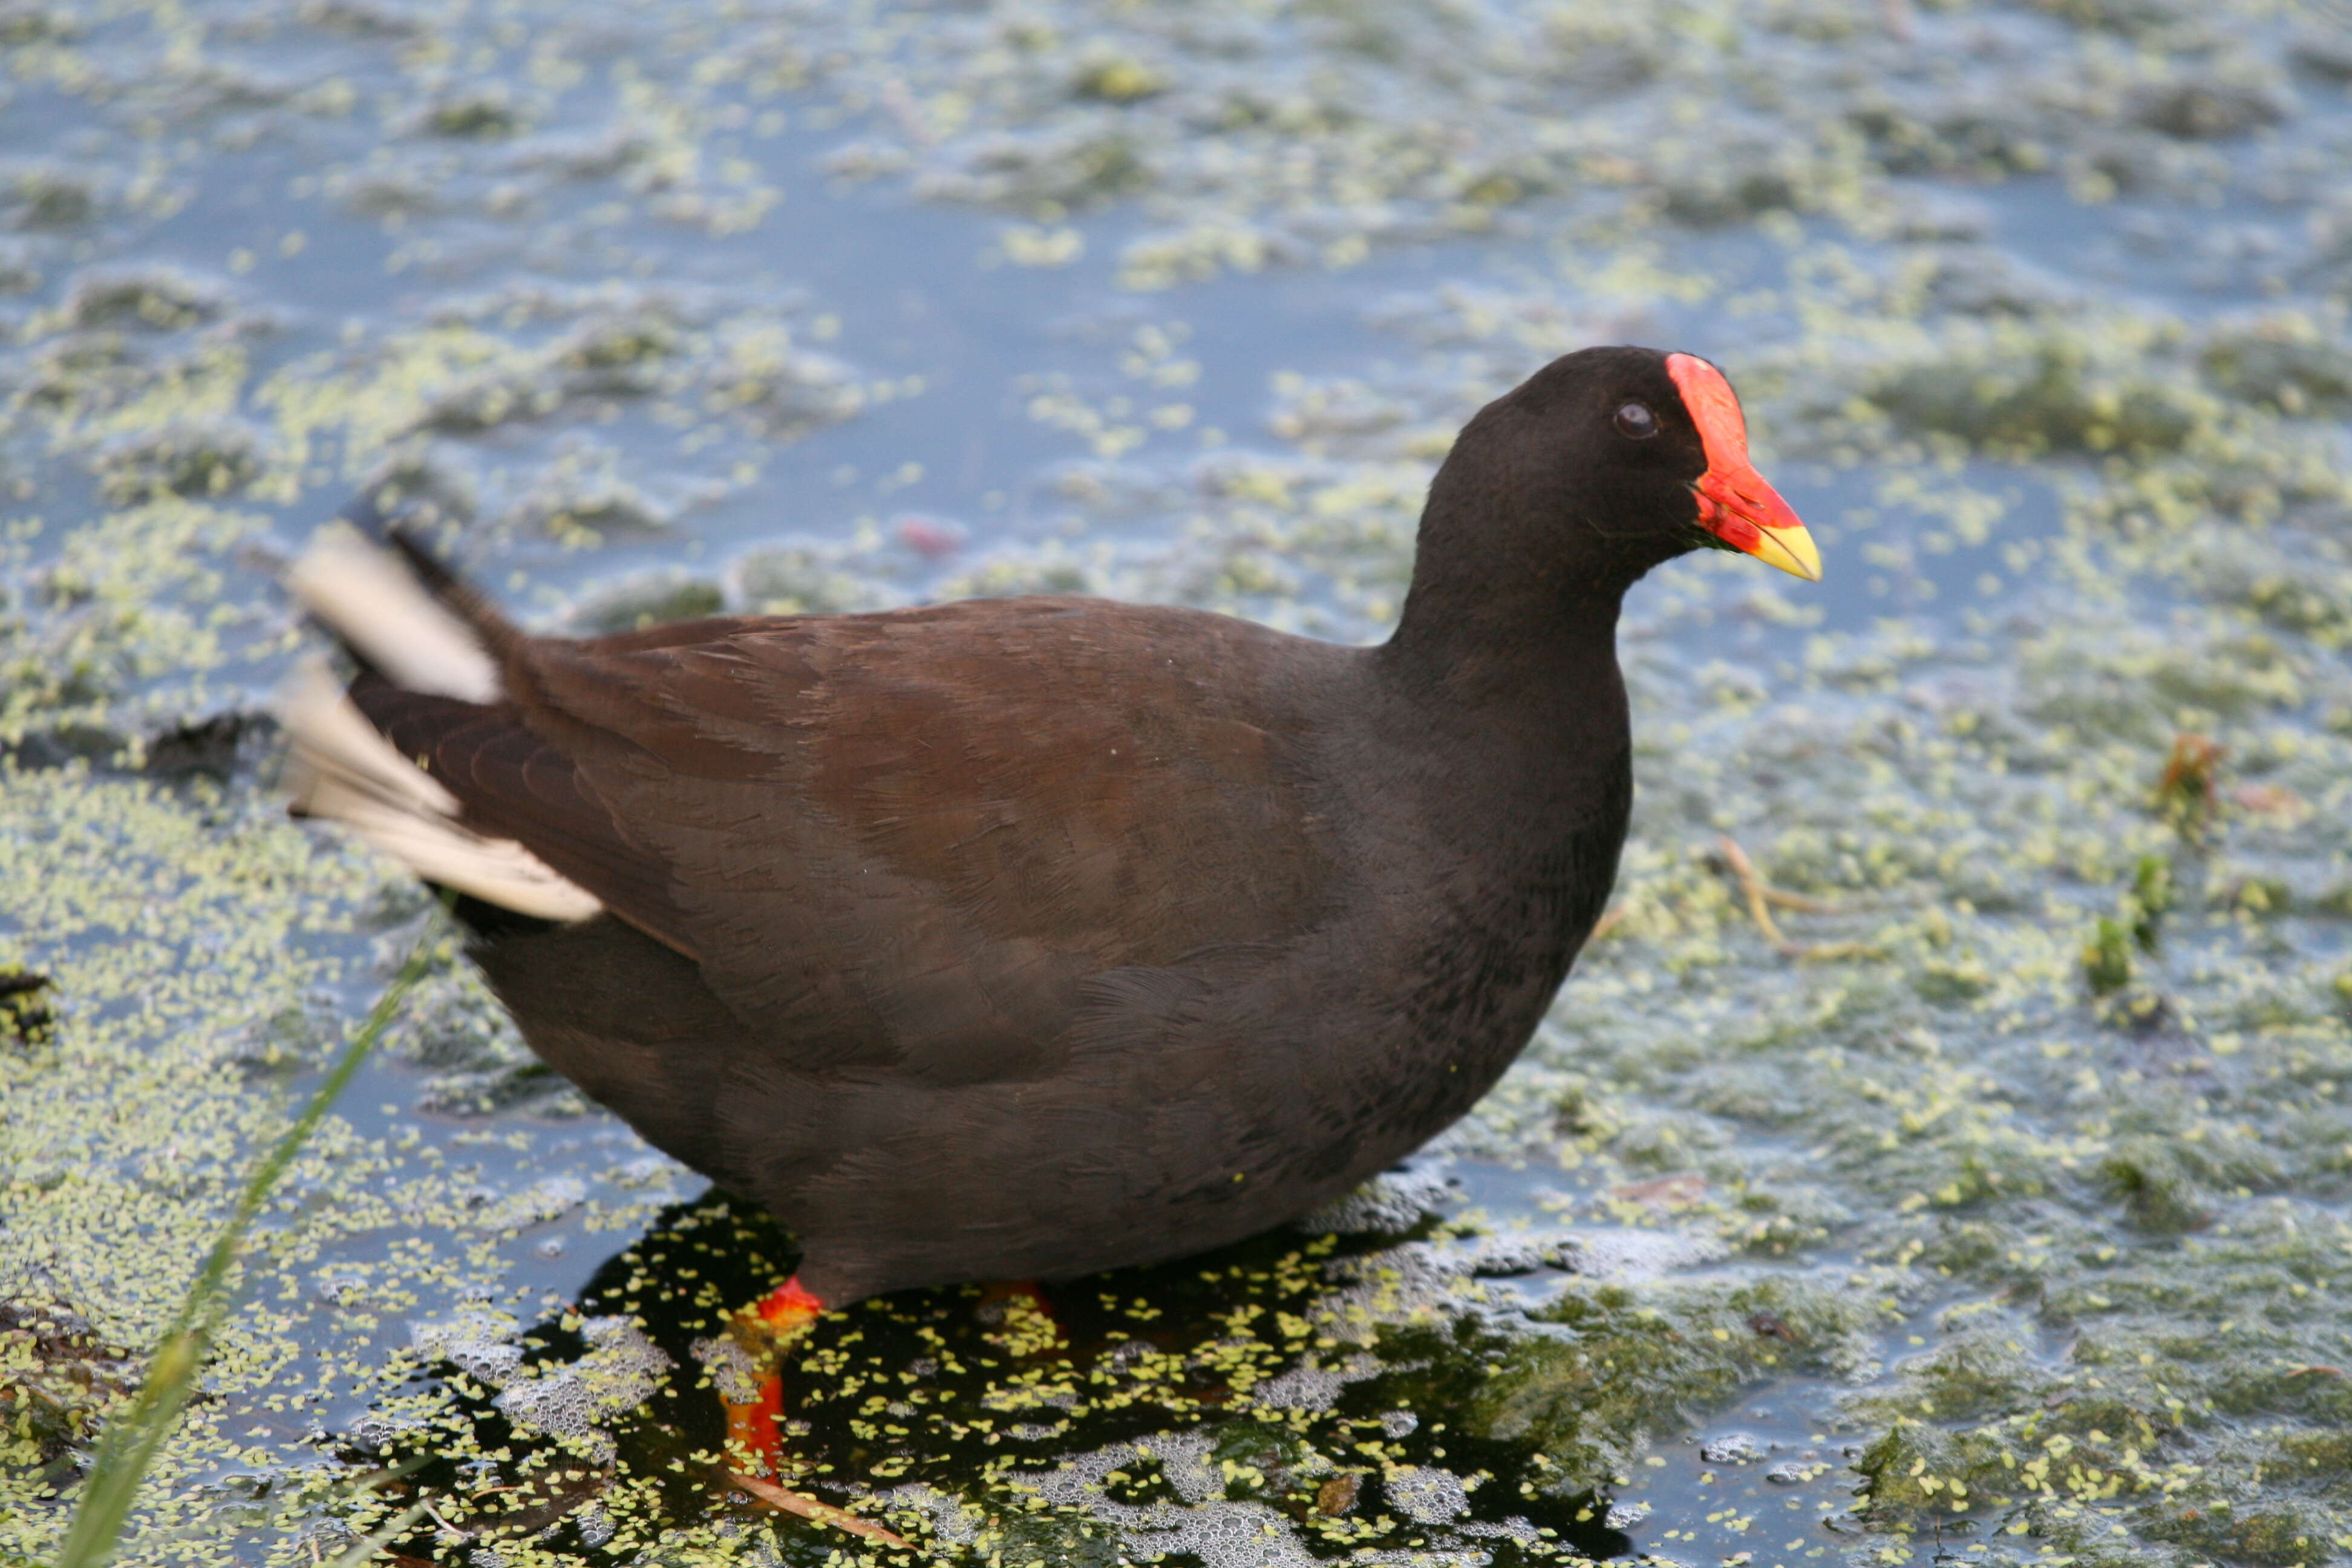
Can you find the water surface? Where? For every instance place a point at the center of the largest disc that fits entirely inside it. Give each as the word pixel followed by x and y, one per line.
pixel 1990 1207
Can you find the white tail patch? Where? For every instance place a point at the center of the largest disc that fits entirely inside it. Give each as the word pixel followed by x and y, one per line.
pixel 341 768
pixel 374 603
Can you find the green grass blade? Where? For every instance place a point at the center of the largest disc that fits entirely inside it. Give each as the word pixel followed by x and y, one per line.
pixel 128 1449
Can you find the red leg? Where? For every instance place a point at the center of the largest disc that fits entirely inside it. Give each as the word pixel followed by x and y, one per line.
pixel 754 1430
pixel 754 1427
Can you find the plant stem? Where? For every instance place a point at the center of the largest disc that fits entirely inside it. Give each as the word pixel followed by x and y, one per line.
pixel 132 1441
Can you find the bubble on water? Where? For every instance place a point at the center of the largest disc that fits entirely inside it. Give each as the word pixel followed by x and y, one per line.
pixel 1230 1535
pixel 1301 1388
pixel 952 1523
pixel 1626 1515
pixel 1430 1495
pixel 594 1524
pixel 1392 1201
pixel 1184 1459
pixel 1733 1448
pixel 481 1343
pixel 620 1371
pixel 378 1432
pixel 1391 1286
pixel 646 599
pixel 734 1372
pixel 548 1198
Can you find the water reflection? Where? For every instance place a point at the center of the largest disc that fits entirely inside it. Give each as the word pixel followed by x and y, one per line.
pixel 1156 1410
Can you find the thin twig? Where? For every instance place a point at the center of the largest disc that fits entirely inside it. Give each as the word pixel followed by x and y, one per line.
pixel 777 1497
pixel 131 1444
pixel 1761 895
pixel 1759 904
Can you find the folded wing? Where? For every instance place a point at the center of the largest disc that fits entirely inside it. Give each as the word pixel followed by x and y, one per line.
pixel 907 837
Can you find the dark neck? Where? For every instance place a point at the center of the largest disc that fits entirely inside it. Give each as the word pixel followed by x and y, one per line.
pixel 1518 720
pixel 1516 585
pixel 1506 645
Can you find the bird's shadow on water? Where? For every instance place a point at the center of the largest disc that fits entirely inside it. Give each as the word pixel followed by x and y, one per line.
pixel 1149 1392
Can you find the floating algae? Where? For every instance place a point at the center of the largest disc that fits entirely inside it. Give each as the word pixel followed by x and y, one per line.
pixel 1897 1228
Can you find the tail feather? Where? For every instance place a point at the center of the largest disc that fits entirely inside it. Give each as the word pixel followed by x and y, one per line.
pixel 372 599
pixel 340 767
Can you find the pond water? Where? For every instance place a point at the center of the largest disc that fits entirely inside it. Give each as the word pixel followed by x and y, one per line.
pixel 1984 1200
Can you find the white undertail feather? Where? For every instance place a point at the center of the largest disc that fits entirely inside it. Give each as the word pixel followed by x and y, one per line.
pixel 341 768
pixel 369 597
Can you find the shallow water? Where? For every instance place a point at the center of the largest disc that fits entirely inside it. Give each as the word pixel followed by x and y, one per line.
pixel 1955 1223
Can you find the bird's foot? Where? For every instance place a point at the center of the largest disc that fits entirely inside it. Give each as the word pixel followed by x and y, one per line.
pixel 788 1309
pixel 753 1394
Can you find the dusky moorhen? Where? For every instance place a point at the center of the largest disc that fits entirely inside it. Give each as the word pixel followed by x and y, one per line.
pixel 1026 938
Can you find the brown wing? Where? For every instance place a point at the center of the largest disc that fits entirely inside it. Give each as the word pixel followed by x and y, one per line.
pixel 913 836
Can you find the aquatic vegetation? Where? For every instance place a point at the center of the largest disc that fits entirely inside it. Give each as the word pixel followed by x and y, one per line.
pixel 136 1430
pixel 2004 1244
pixel 199 461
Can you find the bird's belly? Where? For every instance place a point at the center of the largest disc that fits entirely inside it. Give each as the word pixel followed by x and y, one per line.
pixel 1172 1148
pixel 1246 1102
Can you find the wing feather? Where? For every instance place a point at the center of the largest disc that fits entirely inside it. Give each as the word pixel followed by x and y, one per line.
pixel 906 838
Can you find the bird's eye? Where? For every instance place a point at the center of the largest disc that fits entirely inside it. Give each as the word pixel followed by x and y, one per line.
pixel 1635 420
